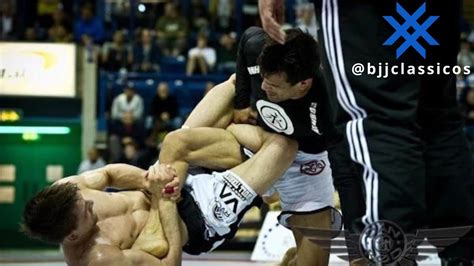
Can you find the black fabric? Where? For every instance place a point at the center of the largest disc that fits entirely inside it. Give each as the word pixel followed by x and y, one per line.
pixel 192 217
pixel 413 129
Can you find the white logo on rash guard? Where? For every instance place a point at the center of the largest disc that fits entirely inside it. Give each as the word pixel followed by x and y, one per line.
pixel 314 119
pixel 275 117
pixel 253 70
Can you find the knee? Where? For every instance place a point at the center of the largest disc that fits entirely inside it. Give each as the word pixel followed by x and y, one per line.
pixel 178 140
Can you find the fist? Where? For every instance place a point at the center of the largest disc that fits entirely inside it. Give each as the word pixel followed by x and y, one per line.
pixel 158 176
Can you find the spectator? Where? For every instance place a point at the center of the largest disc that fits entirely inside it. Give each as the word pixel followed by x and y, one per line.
pixel 306 19
pixel 127 127
pixel 165 110
pixel 116 55
pixel 45 11
pixel 128 101
pixel 146 54
pixel 460 86
pixel 7 20
pixel 93 161
pixel 88 26
pixel 465 55
pixel 133 155
pixel 201 58
pixel 59 34
pixel 30 35
pixel 198 16
pixel 60 31
pixel 227 53
pixel 172 31
pixel 467 102
pixel 221 14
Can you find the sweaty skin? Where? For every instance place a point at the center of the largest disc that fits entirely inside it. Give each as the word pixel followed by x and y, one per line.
pixel 126 228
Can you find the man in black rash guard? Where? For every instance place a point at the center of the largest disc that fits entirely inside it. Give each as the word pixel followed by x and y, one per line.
pixel 281 87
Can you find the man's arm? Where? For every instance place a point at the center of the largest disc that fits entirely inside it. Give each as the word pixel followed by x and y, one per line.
pixel 272 16
pixel 121 176
pixel 243 89
pixel 161 235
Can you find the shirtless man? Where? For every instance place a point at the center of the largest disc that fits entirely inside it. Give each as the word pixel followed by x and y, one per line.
pixel 99 228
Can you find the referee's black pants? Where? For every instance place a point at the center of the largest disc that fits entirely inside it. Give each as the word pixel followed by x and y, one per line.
pixel 404 132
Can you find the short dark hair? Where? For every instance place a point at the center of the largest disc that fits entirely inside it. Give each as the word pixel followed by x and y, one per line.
pixel 298 57
pixel 50 215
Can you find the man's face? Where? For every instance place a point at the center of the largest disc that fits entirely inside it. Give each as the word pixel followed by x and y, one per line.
pixel 277 88
pixel 86 217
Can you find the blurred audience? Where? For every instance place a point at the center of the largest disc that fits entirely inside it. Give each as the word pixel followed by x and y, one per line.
pixel 221 14
pixel 7 20
pixel 198 17
pixel 465 55
pixel 164 109
pixel 146 54
pixel 127 127
pixel 306 19
pixel 171 31
pixel 30 35
pixel 116 55
pixel 127 102
pixel 227 53
pixel 202 58
pixel 88 27
pixel 45 11
pixel 93 161
pixel 60 30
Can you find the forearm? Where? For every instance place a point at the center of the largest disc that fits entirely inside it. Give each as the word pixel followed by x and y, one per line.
pixel 125 176
pixel 161 236
pixel 171 227
pixel 121 176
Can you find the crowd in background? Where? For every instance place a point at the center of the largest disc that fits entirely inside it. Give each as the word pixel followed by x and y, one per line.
pixel 201 34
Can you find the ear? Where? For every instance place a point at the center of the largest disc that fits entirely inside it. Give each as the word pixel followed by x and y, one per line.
pixel 72 237
pixel 305 84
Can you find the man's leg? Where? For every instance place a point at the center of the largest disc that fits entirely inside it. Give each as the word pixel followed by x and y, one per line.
pixel 216 148
pixel 216 108
pixel 308 253
pixel 450 184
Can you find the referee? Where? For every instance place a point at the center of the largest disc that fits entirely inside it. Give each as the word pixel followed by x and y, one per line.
pixel 404 133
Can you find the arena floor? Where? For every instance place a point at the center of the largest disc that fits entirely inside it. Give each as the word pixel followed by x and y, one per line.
pixel 218 258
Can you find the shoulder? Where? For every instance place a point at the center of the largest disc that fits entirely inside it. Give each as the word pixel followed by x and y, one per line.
pixel 254 35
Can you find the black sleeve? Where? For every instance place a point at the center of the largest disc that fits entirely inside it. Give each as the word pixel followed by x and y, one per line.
pixel 243 86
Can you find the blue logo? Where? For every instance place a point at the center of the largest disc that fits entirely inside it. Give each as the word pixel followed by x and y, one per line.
pixel 411 40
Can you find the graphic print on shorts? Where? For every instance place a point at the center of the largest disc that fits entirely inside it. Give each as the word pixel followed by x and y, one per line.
pixel 313 167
